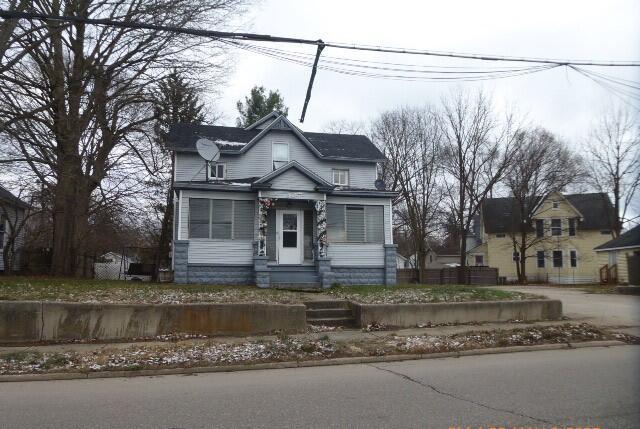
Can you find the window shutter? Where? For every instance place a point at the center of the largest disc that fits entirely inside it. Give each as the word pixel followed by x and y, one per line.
pixel 355 224
pixel 221 219
pixel 374 224
pixel 198 218
pixel 243 220
pixel 335 223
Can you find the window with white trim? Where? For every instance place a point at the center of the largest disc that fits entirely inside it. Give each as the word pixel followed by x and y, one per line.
pixel 280 154
pixel 539 228
pixel 340 177
pixel 573 258
pixel 556 227
pixel 555 205
pixel 572 227
pixel 221 219
pixel 355 223
pixel 540 258
pixel 557 259
pixel 217 170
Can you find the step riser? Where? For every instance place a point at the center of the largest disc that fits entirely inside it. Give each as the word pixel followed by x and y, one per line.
pixel 318 305
pixel 293 277
pixel 332 322
pixel 292 268
pixel 296 286
pixel 329 313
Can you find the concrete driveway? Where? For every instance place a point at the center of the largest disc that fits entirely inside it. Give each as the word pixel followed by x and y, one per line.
pixel 599 309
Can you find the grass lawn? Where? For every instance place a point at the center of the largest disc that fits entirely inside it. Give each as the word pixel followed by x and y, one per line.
pixel 413 293
pixel 114 291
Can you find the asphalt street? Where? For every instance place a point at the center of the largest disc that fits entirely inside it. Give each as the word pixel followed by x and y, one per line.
pixel 595 387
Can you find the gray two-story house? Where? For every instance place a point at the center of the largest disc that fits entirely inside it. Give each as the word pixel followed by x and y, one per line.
pixel 280 207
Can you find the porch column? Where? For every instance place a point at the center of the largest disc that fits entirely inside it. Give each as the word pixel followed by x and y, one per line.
pixel 321 220
pixel 264 204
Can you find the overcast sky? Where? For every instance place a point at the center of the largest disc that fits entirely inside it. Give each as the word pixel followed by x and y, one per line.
pixel 560 99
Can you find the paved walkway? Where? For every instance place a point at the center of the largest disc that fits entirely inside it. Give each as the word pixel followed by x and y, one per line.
pixel 344 335
pixel 598 309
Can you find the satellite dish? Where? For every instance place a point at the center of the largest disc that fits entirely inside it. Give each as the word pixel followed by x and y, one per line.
pixel 379 184
pixel 208 150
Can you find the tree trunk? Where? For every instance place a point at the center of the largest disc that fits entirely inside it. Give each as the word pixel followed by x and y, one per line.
pixel 70 223
pixel 463 256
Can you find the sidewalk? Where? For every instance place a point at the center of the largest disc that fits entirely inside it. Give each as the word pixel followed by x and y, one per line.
pixel 342 335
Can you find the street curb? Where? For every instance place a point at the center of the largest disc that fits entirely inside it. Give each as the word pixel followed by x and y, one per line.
pixel 301 364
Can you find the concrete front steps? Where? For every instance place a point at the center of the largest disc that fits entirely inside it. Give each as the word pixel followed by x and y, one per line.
pixel 330 313
pixel 294 277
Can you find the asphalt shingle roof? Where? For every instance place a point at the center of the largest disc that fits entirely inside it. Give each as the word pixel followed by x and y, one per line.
pixel 499 214
pixel 183 137
pixel 628 239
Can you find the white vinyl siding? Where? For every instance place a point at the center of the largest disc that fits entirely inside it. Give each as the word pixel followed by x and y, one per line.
pixel 293 180
pixel 356 254
pixel 257 162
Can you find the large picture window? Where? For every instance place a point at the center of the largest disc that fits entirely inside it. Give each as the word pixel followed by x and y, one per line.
pixel 355 223
pixel 221 219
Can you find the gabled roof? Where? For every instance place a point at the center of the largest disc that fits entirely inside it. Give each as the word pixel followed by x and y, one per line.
pixel 235 140
pixel 271 116
pixel 8 196
pixel 630 238
pixel 264 181
pixel 500 214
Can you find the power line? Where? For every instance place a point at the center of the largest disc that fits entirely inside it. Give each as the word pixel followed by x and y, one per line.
pixel 278 39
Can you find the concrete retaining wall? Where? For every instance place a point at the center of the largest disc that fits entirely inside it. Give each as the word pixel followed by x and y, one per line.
pixel 28 321
pixel 408 315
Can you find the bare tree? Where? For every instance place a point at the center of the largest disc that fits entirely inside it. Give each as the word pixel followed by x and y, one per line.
pixel 542 165
pixel 410 140
pixel 343 126
pixel 614 160
pixel 477 150
pixel 78 109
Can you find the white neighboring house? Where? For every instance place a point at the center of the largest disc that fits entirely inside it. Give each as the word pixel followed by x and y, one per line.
pixel 112 266
pixel 12 212
pixel 402 262
pixel 280 206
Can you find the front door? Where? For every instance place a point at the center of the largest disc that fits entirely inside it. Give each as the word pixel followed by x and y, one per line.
pixel 290 232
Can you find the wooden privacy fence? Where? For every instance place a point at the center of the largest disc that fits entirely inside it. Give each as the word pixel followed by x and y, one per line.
pixel 444 276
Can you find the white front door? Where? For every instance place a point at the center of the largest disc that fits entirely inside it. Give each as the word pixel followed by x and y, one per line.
pixel 290 230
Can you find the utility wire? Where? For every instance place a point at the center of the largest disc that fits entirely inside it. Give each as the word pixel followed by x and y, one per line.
pixel 278 39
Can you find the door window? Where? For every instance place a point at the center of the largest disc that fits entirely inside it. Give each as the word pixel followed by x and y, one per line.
pixel 289 230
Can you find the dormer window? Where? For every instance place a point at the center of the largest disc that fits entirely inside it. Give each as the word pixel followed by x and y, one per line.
pixel 217 170
pixel 340 177
pixel 280 154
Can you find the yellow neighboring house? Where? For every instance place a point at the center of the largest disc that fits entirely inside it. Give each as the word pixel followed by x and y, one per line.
pixel 619 259
pixel 564 232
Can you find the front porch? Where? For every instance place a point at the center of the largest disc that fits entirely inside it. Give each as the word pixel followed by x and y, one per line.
pixel 291 250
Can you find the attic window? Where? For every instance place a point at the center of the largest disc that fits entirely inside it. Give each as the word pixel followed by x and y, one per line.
pixel 556 204
pixel 280 154
pixel 217 170
pixel 341 177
